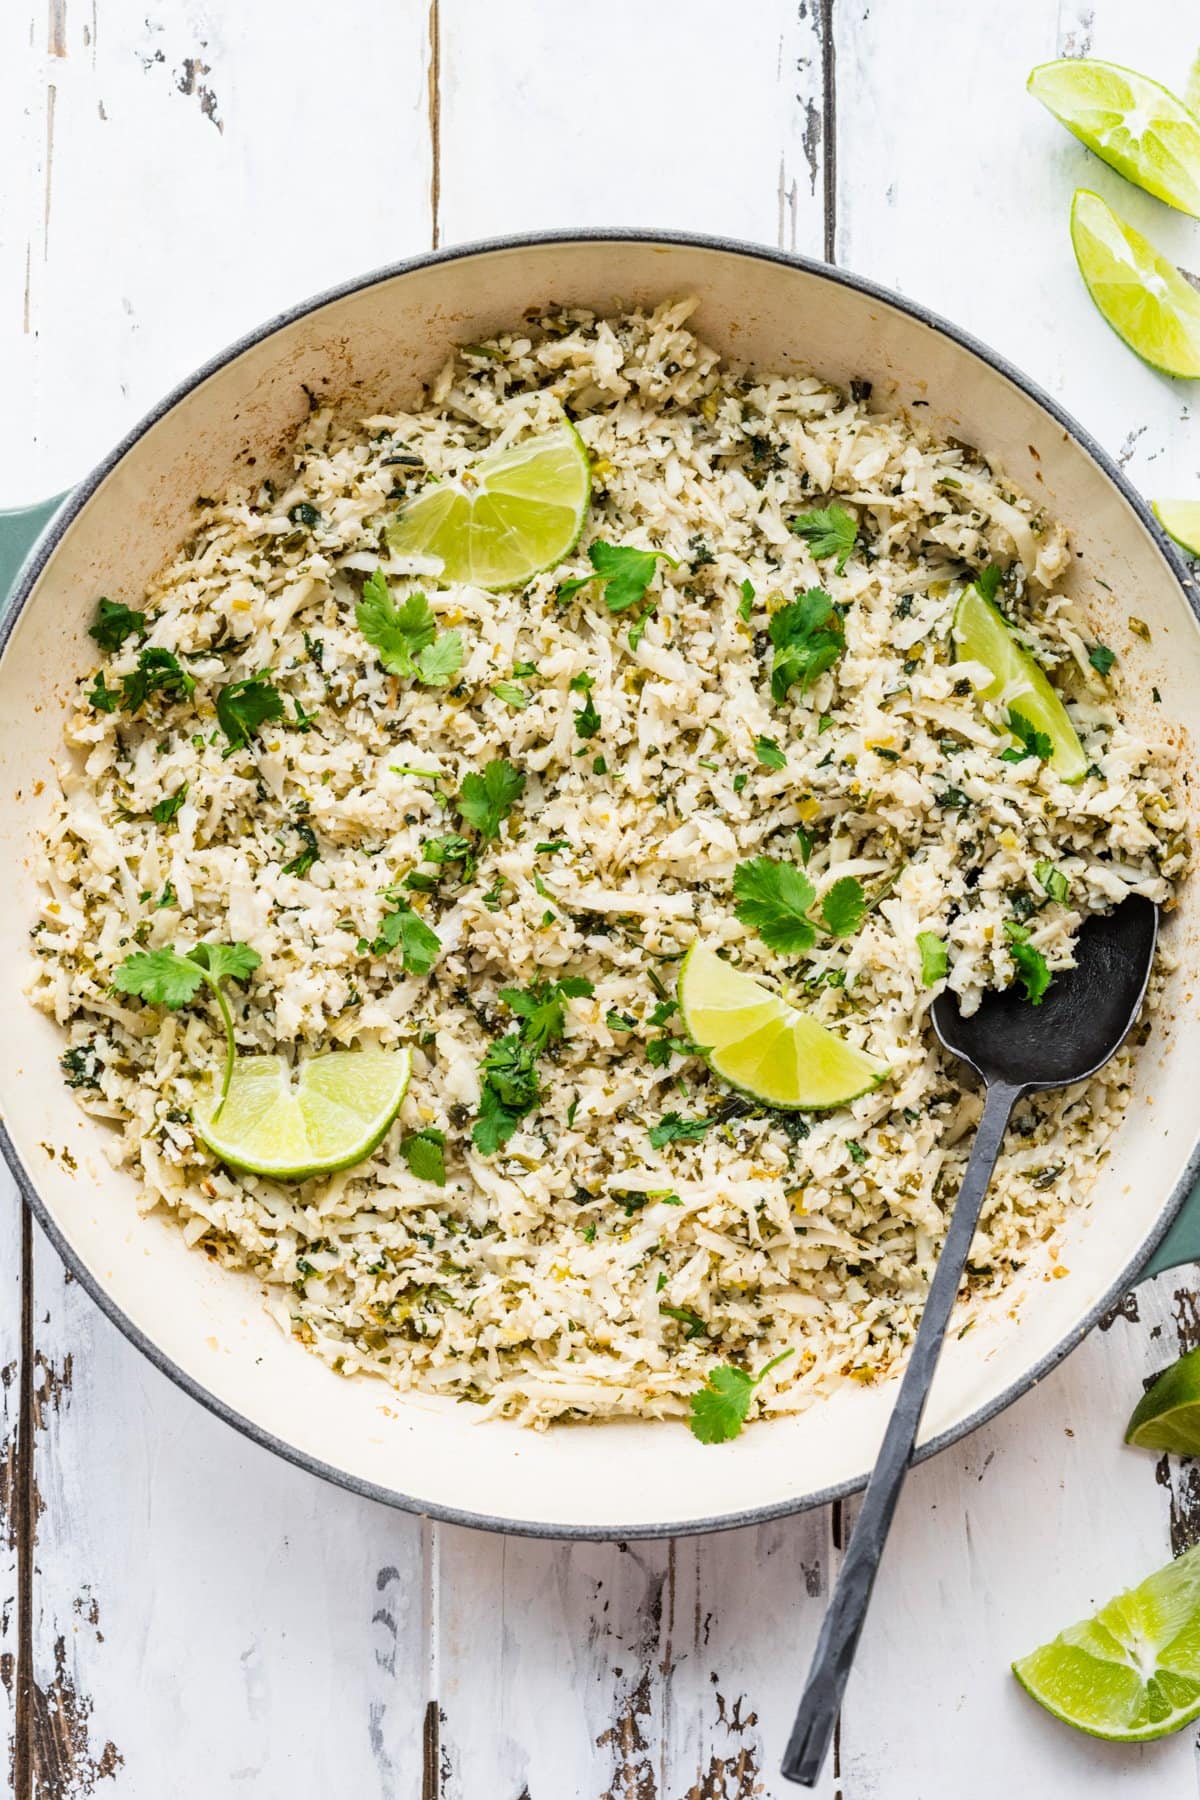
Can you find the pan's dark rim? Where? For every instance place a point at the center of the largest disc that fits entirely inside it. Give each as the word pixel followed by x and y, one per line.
pixel 24 586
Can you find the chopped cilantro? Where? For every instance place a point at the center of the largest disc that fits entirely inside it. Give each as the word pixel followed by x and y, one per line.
pixel 163 811
pixel 486 800
pixel 694 1324
pixel 773 899
pixel 1033 742
pixel 157 672
pixel 987 581
pixel 808 639
pixel 406 636
pixel 625 572
pixel 509 1088
pixel 830 531
pixel 1032 970
pixel 769 755
pixel 1102 658
pixel 425 1153
pixel 844 907
pixel 587 718
pixel 673 1129
pixel 243 706
pixel 172 978
pixel 304 513
pixel 512 694
pixel 309 852
pixel 746 603
pixel 113 623
pixel 403 929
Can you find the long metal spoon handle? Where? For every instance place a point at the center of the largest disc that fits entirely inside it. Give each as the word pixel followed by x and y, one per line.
pixel 821 1702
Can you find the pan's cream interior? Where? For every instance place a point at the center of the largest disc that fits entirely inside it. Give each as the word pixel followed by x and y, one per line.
pixel 374 347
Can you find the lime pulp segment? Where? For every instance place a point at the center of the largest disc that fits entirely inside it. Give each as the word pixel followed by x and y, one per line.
pixel 1139 293
pixel 328 1114
pixel 983 637
pixel 1168 1415
pixel 1180 519
pixel 505 519
pixel 1136 126
pixel 1133 1671
pixel 760 1044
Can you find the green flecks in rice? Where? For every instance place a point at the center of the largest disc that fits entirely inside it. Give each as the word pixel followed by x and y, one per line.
pixel 581 1271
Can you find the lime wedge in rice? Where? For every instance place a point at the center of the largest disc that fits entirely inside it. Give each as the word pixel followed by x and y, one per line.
pixel 1180 519
pixel 1133 124
pixel 505 519
pixel 1168 1415
pixel 327 1114
pixel 760 1044
pixel 1133 1671
pixel 982 636
pixel 1140 294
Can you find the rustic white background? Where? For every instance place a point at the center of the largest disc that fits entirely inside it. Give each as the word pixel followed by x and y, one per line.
pixel 184 1618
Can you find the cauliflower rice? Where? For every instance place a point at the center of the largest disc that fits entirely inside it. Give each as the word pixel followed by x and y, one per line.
pixel 578 1271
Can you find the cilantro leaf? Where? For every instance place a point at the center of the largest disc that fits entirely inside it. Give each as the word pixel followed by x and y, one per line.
pixel 157 672
pixel 830 531
pixel 541 1010
pixel 1052 880
pixel 405 930
pixel 683 1315
pixel 987 582
pixel 425 1153
pixel 719 1408
pixel 625 572
pixel 769 755
pixel 486 800
pixel 238 961
pixel 512 694
pixel 587 719
pixel 935 959
pixel 1032 969
pixel 1102 658
pixel 672 1128
pixel 113 623
pixel 844 907
pixel 509 1090
pixel 169 978
pixel 746 603
pixel 406 636
pixel 309 853
pixel 808 639
pixel 163 811
pixel 101 696
pixel 1034 742
pixel 242 706
pixel 772 898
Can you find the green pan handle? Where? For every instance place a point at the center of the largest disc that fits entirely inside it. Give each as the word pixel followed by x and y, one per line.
pixel 1182 1242
pixel 20 529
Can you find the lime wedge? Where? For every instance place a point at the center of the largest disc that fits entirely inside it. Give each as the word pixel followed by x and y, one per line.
pixel 1137 127
pixel 1168 1415
pixel 326 1114
pixel 1142 296
pixel 1180 519
pixel 505 519
pixel 758 1043
pixel 1133 1671
pixel 983 637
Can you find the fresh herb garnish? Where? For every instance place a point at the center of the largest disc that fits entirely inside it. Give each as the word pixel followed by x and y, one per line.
pixel 844 907
pixel 486 800
pixel 81 1066
pixel 719 1409
pixel 425 1153
pixel 541 1008
pixel 157 672
pixel 587 718
pixel 304 513
pixel 773 898
pixel 163 811
pixel 1033 742
pixel 309 853
pixel 1032 969
pixel 626 573
pixel 406 636
pixel 987 582
pixel 683 1315
pixel 402 928
pixel 510 1088
pixel 512 694
pixel 746 603
pixel 672 1128
pixel 830 531
pixel 172 978
pixel 769 755
pixel 935 959
pixel 1102 658
pixel 243 706
pixel 808 639
pixel 1052 880
pixel 113 623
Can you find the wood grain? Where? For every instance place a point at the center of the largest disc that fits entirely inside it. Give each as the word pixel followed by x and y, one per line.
pixel 202 1619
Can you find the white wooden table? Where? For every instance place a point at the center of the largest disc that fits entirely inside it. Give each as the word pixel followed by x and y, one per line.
pixel 183 1616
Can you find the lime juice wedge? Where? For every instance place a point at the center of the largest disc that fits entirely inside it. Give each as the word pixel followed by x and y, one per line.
pixel 1133 124
pixel 1180 519
pixel 1133 1671
pixel 1168 1415
pixel 760 1044
pixel 1140 294
pixel 505 519
pixel 982 636
pixel 327 1114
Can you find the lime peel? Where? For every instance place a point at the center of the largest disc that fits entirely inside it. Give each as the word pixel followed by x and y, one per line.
pixel 508 517
pixel 765 1047
pixel 327 1114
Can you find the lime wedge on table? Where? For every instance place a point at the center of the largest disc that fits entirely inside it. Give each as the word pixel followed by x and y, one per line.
pixel 760 1044
pixel 1137 127
pixel 1180 519
pixel 1141 295
pixel 983 637
pixel 1133 1671
pixel 1168 1415
pixel 506 518
pixel 328 1113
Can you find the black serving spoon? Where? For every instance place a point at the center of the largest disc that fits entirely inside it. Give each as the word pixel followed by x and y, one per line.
pixel 1017 1049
